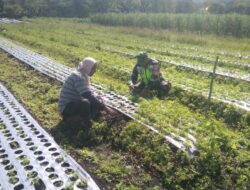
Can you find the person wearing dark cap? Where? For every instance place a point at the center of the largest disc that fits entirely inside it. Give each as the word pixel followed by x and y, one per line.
pixel 151 78
pixel 77 101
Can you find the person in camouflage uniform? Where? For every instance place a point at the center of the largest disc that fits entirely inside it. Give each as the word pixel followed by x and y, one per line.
pixel 151 80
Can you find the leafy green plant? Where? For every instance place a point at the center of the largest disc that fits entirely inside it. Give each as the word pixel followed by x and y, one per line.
pixel 13 180
pixel 222 134
pixel 82 184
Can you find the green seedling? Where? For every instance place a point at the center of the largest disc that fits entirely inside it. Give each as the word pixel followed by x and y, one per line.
pixel 82 184
pixel 14 145
pixel 59 159
pixel 13 180
pixel 31 174
pixel 25 162
pixel 11 173
pixel 69 187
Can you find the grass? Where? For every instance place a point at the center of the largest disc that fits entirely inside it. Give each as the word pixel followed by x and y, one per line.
pixel 223 134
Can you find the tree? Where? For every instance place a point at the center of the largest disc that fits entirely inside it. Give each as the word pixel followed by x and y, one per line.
pixel 185 6
pixel 217 8
pixel 1 7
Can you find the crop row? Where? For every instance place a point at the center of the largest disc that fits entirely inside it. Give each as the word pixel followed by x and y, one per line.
pixel 184 52
pixel 183 78
pixel 134 139
pixel 118 102
pixel 223 147
pixel 181 47
pixel 235 73
pixel 125 73
pixel 30 157
pixel 189 66
pixel 134 41
pixel 94 38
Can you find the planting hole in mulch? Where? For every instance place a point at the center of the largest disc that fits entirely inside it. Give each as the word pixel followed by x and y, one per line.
pixel 52 149
pixel 40 136
pixel 39 184
pixel 58 183
pixel 30 144
pixel 5 162
pixel 18 152
pixel 32 174
pixel 50 169
pixel 12 173
pixel 69 171
pixel 4 156
pixel 19 187
pixel 38 152
pixel 2 151
pixel 65 164
pixel 9 167
pixel 27 168
pixel 28 139
pixel 33 148
pixel 53 176
pixel 44 163
pixel 44 140
pixel 13 180
pixel 10 139
pixel 47 144
pixel 55 154
pixel 14 145
pixel 40 158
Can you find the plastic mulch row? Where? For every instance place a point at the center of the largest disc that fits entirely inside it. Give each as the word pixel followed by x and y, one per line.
pixel 29 157
pixel 116 101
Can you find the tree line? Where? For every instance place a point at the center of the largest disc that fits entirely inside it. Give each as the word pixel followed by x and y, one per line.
pixel 83 8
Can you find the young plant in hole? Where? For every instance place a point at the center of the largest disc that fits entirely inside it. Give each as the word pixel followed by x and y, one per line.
pixel 32 174
pixel 13 180
pixel 59 159
pixel 11 173
pixel 69 187
pixel 74 176
pixel 24 160
pixel 2 127
pixel 36 181
pixel 14 145
pixel 5 162
pixel 82 184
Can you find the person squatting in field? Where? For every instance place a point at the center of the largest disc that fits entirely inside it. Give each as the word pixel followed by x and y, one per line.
pixel 76 101
pixel 151 79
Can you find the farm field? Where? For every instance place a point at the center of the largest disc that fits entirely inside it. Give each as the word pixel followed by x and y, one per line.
pixel 222 135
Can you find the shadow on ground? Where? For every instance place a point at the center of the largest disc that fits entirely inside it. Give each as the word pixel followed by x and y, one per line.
pixel 77 134
pixel 73 134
